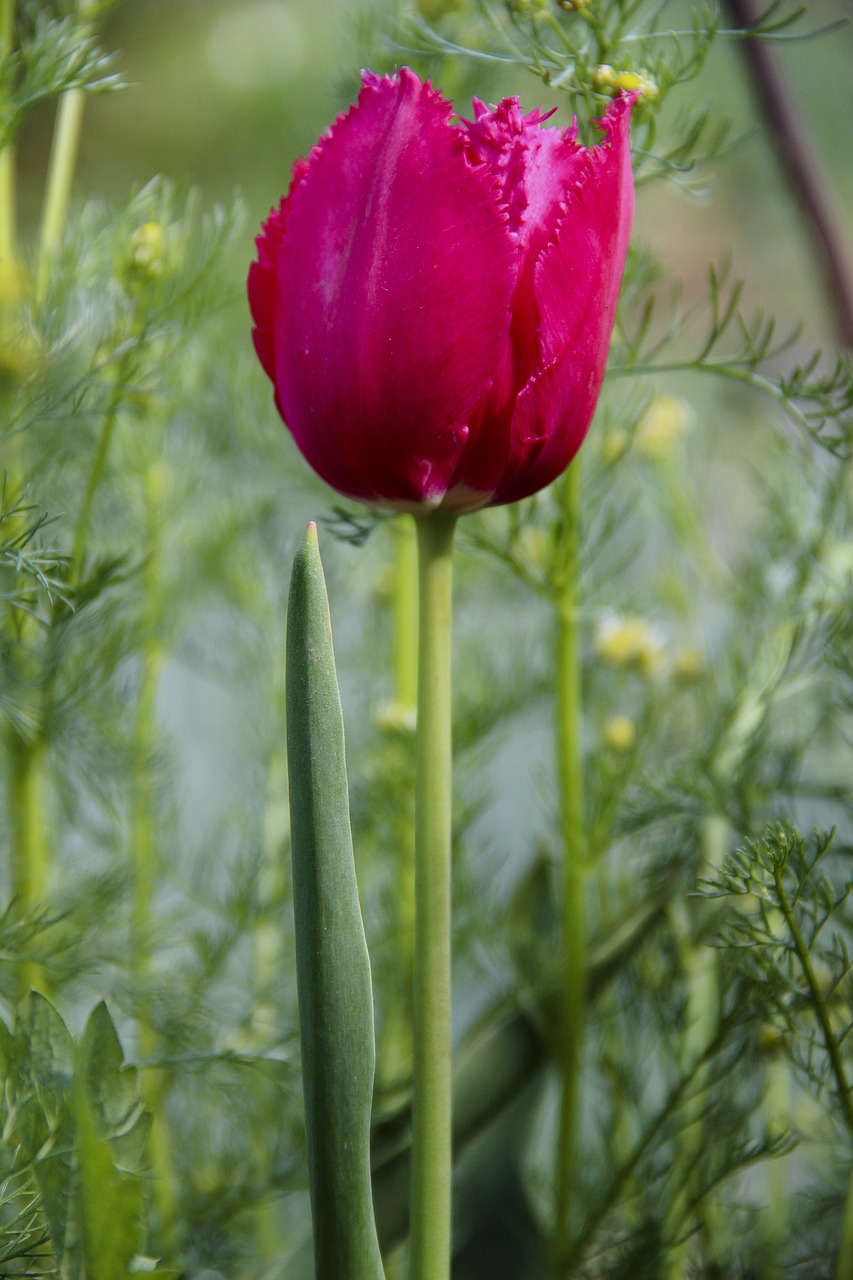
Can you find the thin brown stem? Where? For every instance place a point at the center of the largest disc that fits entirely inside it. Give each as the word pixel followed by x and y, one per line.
pixel 801 167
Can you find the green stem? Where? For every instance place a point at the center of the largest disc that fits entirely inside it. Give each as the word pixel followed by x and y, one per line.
pixel 60 178
pixel 830 1040
pixel 776 1108
pixel 405 616
pixel 699 962
pixel 7 169
pixel 81 529
pixel 573 842
pixel 145 857
pixel 429 1257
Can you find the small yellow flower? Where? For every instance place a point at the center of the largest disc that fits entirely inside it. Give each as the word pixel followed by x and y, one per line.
pixel 629 641
pixel 620 733
pixel 664 422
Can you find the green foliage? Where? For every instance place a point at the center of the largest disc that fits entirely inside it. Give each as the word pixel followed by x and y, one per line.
pixel 55 52
pixel 73 1137
pixel 790 934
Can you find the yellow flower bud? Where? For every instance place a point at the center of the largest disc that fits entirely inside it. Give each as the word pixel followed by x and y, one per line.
pixel 637 82
pixel 629 641
pixel 664 422
pixel 603 77
pixel 147 258
pixel 606 77
pixel 620 733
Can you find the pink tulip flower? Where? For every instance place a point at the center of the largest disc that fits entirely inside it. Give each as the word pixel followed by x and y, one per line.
pixel 433 302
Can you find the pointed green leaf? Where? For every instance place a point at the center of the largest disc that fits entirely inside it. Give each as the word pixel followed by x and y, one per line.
pixel 112 1090
pixel 111 1199
pixel 332 965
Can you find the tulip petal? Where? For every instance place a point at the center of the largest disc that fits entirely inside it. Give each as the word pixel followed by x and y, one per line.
pixel 578 275
pixel 263 273
pixel 576 289
pixel 394 277
pixel 262 288
pixel 551 418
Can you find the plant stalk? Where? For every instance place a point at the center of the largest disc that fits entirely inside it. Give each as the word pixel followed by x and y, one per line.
pixel 405 616
pixel 7 173
pixel 699 962
pixel 844 1260
pixel 429 1257
pixel 155 1084
pixel 574 855
pixel 84 516
pixel 60 179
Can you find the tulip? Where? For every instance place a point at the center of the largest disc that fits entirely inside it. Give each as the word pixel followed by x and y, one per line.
pixel 433 302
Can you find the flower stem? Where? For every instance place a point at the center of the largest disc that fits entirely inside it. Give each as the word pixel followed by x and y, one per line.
pixel 431 1134
pixel 405 616
pixel 573 842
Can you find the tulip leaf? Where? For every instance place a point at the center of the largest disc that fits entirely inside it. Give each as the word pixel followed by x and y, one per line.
pixel 332 964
